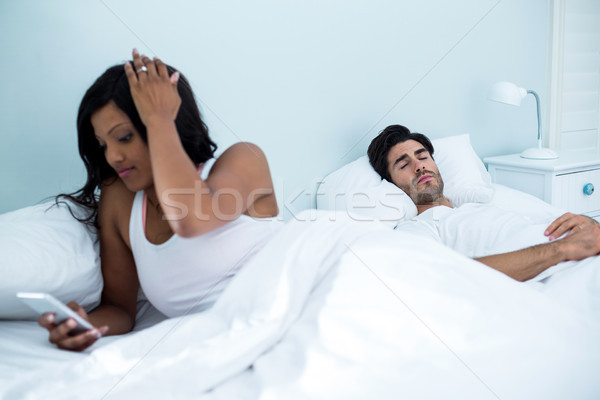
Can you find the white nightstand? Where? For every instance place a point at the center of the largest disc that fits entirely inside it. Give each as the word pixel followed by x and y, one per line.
pixel 571 182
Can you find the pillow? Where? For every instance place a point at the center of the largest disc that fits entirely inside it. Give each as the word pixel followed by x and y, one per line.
pixel 357 189
pixel 466 180
pixel 45 249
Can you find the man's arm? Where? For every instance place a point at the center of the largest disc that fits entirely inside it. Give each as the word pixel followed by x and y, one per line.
pixel 525 264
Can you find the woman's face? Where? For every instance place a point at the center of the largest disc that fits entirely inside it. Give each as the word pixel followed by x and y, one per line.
pixel 124 149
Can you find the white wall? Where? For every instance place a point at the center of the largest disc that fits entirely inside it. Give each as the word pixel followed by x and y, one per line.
pixel 311 82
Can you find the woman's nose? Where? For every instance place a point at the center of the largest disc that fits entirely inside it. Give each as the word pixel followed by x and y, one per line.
pixel 113 155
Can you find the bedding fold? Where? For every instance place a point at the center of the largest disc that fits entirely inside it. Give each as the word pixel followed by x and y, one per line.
pixel 332 308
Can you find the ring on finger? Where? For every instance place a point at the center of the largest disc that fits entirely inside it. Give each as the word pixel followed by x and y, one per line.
pixel 143 68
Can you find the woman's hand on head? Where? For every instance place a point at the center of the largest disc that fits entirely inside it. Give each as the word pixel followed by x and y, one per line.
pixel 154 92
pixel 60 333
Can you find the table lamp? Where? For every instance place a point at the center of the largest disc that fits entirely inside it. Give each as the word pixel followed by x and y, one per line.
pixel 509 93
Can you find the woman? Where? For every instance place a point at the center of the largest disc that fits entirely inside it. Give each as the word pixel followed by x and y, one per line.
pixel 143 141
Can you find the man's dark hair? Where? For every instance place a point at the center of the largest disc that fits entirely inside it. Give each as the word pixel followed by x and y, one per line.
pixel 388 138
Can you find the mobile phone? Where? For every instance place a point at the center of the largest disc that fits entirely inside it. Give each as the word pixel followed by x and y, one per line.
pixel 44 302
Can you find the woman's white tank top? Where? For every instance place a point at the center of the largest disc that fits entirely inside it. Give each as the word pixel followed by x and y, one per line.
pixel 186 275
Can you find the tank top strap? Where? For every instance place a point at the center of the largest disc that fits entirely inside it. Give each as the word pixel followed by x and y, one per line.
pixel 137 219
pixel 208 164
pixel 144 208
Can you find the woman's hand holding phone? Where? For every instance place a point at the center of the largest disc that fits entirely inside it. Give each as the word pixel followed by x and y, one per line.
pixel 68 325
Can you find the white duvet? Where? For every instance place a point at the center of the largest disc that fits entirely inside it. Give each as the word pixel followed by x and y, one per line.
pixel 347 310
pixel 478 230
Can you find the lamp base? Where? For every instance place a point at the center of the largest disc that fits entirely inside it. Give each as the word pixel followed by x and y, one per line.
pixel 539 153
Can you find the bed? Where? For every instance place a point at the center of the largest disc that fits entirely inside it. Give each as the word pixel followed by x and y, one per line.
pixel 338 305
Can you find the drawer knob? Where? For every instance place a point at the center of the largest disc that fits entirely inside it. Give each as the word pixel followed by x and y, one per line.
pixel 588 189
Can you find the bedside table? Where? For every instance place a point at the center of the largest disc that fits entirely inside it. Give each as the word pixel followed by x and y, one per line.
pixel 570 182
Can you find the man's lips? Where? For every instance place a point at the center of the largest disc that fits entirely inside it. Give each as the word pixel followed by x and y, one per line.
pixel 123 172
pixel 424 178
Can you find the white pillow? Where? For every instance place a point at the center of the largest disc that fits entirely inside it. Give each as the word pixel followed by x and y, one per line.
pixel 359 191
pixel 356 188
pixel 466 180
pixel 45 249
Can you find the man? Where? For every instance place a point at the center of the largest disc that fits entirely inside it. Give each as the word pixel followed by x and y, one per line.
pixel 406 159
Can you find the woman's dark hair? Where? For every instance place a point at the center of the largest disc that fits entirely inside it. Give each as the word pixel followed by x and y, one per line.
pixel 113 85
pixel 388 138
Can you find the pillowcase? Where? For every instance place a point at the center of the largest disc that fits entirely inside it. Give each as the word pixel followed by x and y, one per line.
pixel 466 180
pixel 358 190
pixel 45 249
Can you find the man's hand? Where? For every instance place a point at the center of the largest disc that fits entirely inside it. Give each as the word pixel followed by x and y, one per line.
pixel 580 243
pixel 570 223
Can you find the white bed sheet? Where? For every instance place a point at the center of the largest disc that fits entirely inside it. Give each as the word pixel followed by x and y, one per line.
pixel 511 222
pixel 346 310
pixel 24 345
pixel 524 203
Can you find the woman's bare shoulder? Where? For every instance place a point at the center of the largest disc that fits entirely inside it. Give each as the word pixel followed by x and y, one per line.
pixel 115 202
pixel 244 166
pixel 243 157
pixel 244 149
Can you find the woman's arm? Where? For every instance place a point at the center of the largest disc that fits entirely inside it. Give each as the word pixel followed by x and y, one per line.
pixel 192 206
pixel 117 310
pixel 121 284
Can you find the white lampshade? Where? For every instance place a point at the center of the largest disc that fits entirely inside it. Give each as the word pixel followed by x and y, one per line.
pixel 508 93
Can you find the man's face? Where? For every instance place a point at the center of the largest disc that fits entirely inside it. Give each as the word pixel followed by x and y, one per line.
pixel 413 170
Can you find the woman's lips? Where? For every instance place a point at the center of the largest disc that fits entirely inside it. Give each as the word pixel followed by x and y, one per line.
pixel 124 172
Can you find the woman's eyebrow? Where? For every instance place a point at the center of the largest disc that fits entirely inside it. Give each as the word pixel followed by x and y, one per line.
pixel 110 131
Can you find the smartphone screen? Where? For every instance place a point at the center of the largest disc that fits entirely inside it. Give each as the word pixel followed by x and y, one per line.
pixel 44 302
